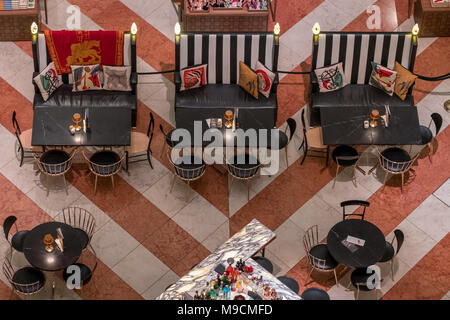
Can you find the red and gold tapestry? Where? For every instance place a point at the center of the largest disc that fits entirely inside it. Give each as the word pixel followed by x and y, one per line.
pixel 68 48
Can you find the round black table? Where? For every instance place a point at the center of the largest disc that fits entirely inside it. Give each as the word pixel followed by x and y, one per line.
pixel 34 247
pixel 367 255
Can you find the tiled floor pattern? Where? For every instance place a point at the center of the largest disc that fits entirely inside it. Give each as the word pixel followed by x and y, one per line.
pixel 147 237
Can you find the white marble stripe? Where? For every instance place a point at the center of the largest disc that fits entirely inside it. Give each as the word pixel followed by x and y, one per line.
pixel 126 50
pixel 406 51
pixel 335 49
pixel 392 51
pixel 183 51
pixel 198 49
pixel 269 52
pixel 226 68
pixel 378 48
pixel 349 57
pixel 321 51
pixel 240 53
pixel 363 58
pixel 254 52
pixel 212 59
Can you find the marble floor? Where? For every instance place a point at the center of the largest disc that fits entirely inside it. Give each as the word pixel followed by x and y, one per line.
pixel 147 237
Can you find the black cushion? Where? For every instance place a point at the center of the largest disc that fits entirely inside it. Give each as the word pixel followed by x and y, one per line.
pixel 169 139
pixel 359 277
pixel 397 155
pixel 81 234
pixel 355 95
pixel 315 294
pixel 105 158
pixel 291 283
pixel 185 167
pixel 283 140
pixel 243 166
pixel 344 151
pixel 28 276
pixel 51 158
pixel 17 240
pixel 426 134
pixel 64 97
pixel 85 273
pixel 265 263
pixel 389 253
pixel 321 251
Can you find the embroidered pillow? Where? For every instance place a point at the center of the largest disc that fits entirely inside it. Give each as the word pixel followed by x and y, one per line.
pixel 248 80
pixel 405 79
pixel 265 79
pixel 48 81
pixel 193 77
pixel 331 78
pixel 116 78
pixel 86 78
pixel 383 78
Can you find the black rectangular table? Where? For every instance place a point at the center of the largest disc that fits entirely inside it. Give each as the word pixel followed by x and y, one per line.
pixel 345 125
pixel 109 126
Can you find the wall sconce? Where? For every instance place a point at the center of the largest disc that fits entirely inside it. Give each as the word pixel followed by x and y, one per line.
pixel 276 29
pixel 316 31
pixel 177 29
pixel 415 32
pixel 34 31
pixel 133 32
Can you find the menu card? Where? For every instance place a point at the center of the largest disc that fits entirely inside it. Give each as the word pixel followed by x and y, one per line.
pixel 214 122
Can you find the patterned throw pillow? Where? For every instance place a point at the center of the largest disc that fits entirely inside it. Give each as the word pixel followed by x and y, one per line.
pixel 193 77
pixel 266 78
pixel 48 81
pixel 117 78
pixel 383 78
pixel 405 79
pixel 248 80
pixel 86 77
pixel 331 78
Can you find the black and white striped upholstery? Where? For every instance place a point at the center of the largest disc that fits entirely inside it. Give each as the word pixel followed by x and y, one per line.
pixel 42 57
pixel 357 50
pixel 223 51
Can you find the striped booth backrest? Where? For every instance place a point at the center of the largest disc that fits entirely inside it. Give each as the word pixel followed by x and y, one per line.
pixel 42 57
pixel 357 50
pixel 223 51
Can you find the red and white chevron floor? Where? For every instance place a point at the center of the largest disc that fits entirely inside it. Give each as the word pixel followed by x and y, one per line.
pixel 146 237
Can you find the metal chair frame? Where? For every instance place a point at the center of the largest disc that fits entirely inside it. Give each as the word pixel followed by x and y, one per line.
pixel 7 229
pixel 24 153
pixel 27 289
pixel 355 167
pixel 138 157
pixel 79 218
pixel 304 145
pixel 47 168
pixel 104 170
pixel 399 237
pixel 437 119
pixel 244 171
pixel 165 144
pixel 310 240
pixel 197 173
pixel 360 203
pixel 292 126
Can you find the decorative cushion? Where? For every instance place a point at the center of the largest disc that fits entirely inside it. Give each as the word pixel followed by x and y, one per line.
pixel 86 77
pixel 48 81
pixel 248 80
pixel 117 78
pixel 383 78
pixel 405 79
pixel 331 78
pixel 265 79
pixel 193 77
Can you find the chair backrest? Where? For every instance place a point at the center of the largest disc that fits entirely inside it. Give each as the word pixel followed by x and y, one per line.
pixel 310 240
pixel 7 225
pixel 396 166
pixel 243 169
pixel 360 203
pixel 356 51
pixel 150 130
pixel 105 169
pixel 78 218
pixel 437 119
pixel 162 130
pixel 400 238
pixel 26 289
pixel 223 51
pixel 185 172
pixel 54 168
pixel 292 125
pixel 15 123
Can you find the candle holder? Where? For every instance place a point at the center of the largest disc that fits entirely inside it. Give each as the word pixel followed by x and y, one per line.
pixel 374 115
pixel 76 118
pixel 228 116
pixel 48 241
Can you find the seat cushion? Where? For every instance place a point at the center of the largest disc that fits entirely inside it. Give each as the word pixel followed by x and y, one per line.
pixel 85 272
pixel 315 294
pixel 283 140
pixel 354 95
pixel 389 253
pixel 243 166
pixel 344 151
pixel 81 234
pixel 397 155
pixel 25 139
pixel 64 97
pixel 265 263
pixel 17 240
pixel 189 167
pixel 426 134
pixel 139 143
pixel 107 162
pixel 27 276
pixel 291 283
pixel 315 138
pixel 359 277
pixel 321 251
pixel 51 159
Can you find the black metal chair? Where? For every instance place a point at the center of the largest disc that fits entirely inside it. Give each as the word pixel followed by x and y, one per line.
pixel 391 252
pixel 360 203
pixel 264 262
pixel 23 140
pixel 86 272
pixel 243 167
pixel 427 135
pixel 168 139
pixel 285 139
pixel 81 220
pixel 315 294
pixel 313 142
pixel 140 147
pixel 360 279
pixel 24 281
pixel 16 241
pixel 291 283
pixel 105 163
pixel 346 156
pixel 319 257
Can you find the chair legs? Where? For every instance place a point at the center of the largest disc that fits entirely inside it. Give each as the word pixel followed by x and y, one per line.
pixel 335 177
pixel 403 179
pixel 287 163
pixel 95 185
pixel 335 278
pixel 65 184
pixel 392 269
pixel 173 183
pixel 112 180
pixel 248 190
